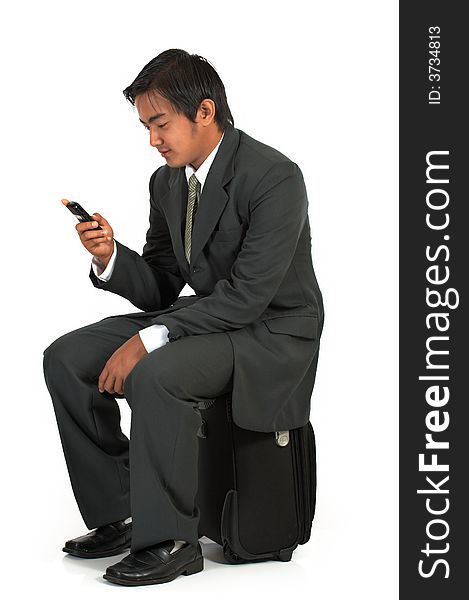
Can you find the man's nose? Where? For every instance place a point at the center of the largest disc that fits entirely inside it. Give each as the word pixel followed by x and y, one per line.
pixel 155 138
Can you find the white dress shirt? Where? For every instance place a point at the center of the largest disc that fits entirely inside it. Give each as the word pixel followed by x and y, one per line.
pixel 155 336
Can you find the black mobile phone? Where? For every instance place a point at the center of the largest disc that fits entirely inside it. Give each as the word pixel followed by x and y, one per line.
pixel 81 213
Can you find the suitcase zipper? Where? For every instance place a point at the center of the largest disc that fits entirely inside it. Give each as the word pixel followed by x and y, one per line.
pixel 310 492
pixel 299 484
pixel 305 483
pixel 312 470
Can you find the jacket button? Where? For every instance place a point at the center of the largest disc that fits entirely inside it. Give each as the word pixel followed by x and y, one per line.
pixel 195 269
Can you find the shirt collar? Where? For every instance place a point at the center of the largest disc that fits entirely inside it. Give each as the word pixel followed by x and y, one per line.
pixel 204 168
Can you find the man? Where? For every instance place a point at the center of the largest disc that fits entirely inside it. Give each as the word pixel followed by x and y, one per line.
pixel 228 216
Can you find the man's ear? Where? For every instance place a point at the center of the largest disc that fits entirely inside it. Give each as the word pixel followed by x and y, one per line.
pixel 206 112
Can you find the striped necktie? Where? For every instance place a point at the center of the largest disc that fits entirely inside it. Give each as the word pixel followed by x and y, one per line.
pixel 192 201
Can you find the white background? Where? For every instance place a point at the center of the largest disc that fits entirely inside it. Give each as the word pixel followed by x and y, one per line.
pixel 316 80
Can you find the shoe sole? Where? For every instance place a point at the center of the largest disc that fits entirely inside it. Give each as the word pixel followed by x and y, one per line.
pixel 191 569
pixel 82 554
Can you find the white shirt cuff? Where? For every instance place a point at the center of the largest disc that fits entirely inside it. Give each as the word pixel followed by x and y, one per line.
pixel 154 337
pixel 98 267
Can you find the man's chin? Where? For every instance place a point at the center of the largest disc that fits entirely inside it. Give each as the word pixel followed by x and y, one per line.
pixel 173 162
pixel 168 156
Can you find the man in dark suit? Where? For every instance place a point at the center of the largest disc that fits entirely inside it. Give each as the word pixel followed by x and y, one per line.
pixel 228 216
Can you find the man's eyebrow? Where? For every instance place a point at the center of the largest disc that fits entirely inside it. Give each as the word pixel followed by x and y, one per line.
pixel 153 118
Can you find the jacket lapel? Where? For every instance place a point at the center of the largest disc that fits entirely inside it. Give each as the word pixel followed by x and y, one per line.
pixel 214 197
pixel 211 202
pixel 174 203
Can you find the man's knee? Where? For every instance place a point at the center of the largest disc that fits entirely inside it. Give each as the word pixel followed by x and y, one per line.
pixel 55 351
pixel 67 350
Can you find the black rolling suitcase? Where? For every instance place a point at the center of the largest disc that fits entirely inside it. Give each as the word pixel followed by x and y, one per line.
pixel 257 491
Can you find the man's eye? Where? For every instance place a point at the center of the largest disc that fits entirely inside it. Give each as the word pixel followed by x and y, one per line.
pixel 159 126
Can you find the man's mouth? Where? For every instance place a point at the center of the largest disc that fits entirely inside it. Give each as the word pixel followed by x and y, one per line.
pixel 164 152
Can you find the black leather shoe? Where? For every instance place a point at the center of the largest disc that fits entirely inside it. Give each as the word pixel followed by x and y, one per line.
pixel 156 565
pixel 107 540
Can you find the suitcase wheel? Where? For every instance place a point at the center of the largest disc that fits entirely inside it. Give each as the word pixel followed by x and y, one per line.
pixel 234 559
pixel 285 555
pixel 230 556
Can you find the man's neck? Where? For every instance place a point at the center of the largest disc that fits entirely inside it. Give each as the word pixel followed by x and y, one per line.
pixel 215 139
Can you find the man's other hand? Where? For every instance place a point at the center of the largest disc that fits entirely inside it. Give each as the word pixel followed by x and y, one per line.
pixel 120 364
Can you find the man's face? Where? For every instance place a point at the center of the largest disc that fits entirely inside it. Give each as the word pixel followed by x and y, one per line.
pixel 179 140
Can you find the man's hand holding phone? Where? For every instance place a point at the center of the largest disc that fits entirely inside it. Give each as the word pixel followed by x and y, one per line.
pixel 96 235
pixel 94 231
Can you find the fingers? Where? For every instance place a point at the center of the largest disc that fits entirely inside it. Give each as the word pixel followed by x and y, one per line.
pixel 118 386
pixel 102 379
pixel 112 386
pixel 86 225
pixel 87 232
pixel 96 235
pixel 101 220
pixel 119 365
pixel 98 220
pixel 106 381
pixel 97 241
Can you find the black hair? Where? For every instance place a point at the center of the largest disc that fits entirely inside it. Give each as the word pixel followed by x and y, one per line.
pixel 184 80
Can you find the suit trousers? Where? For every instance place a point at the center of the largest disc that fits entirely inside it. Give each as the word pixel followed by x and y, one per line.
pixel 153 476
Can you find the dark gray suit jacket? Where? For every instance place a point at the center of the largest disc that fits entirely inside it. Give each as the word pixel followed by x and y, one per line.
pixel 251 270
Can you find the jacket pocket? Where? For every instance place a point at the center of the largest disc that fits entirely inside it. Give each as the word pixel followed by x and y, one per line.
pixel 228 235
pixel 302 325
